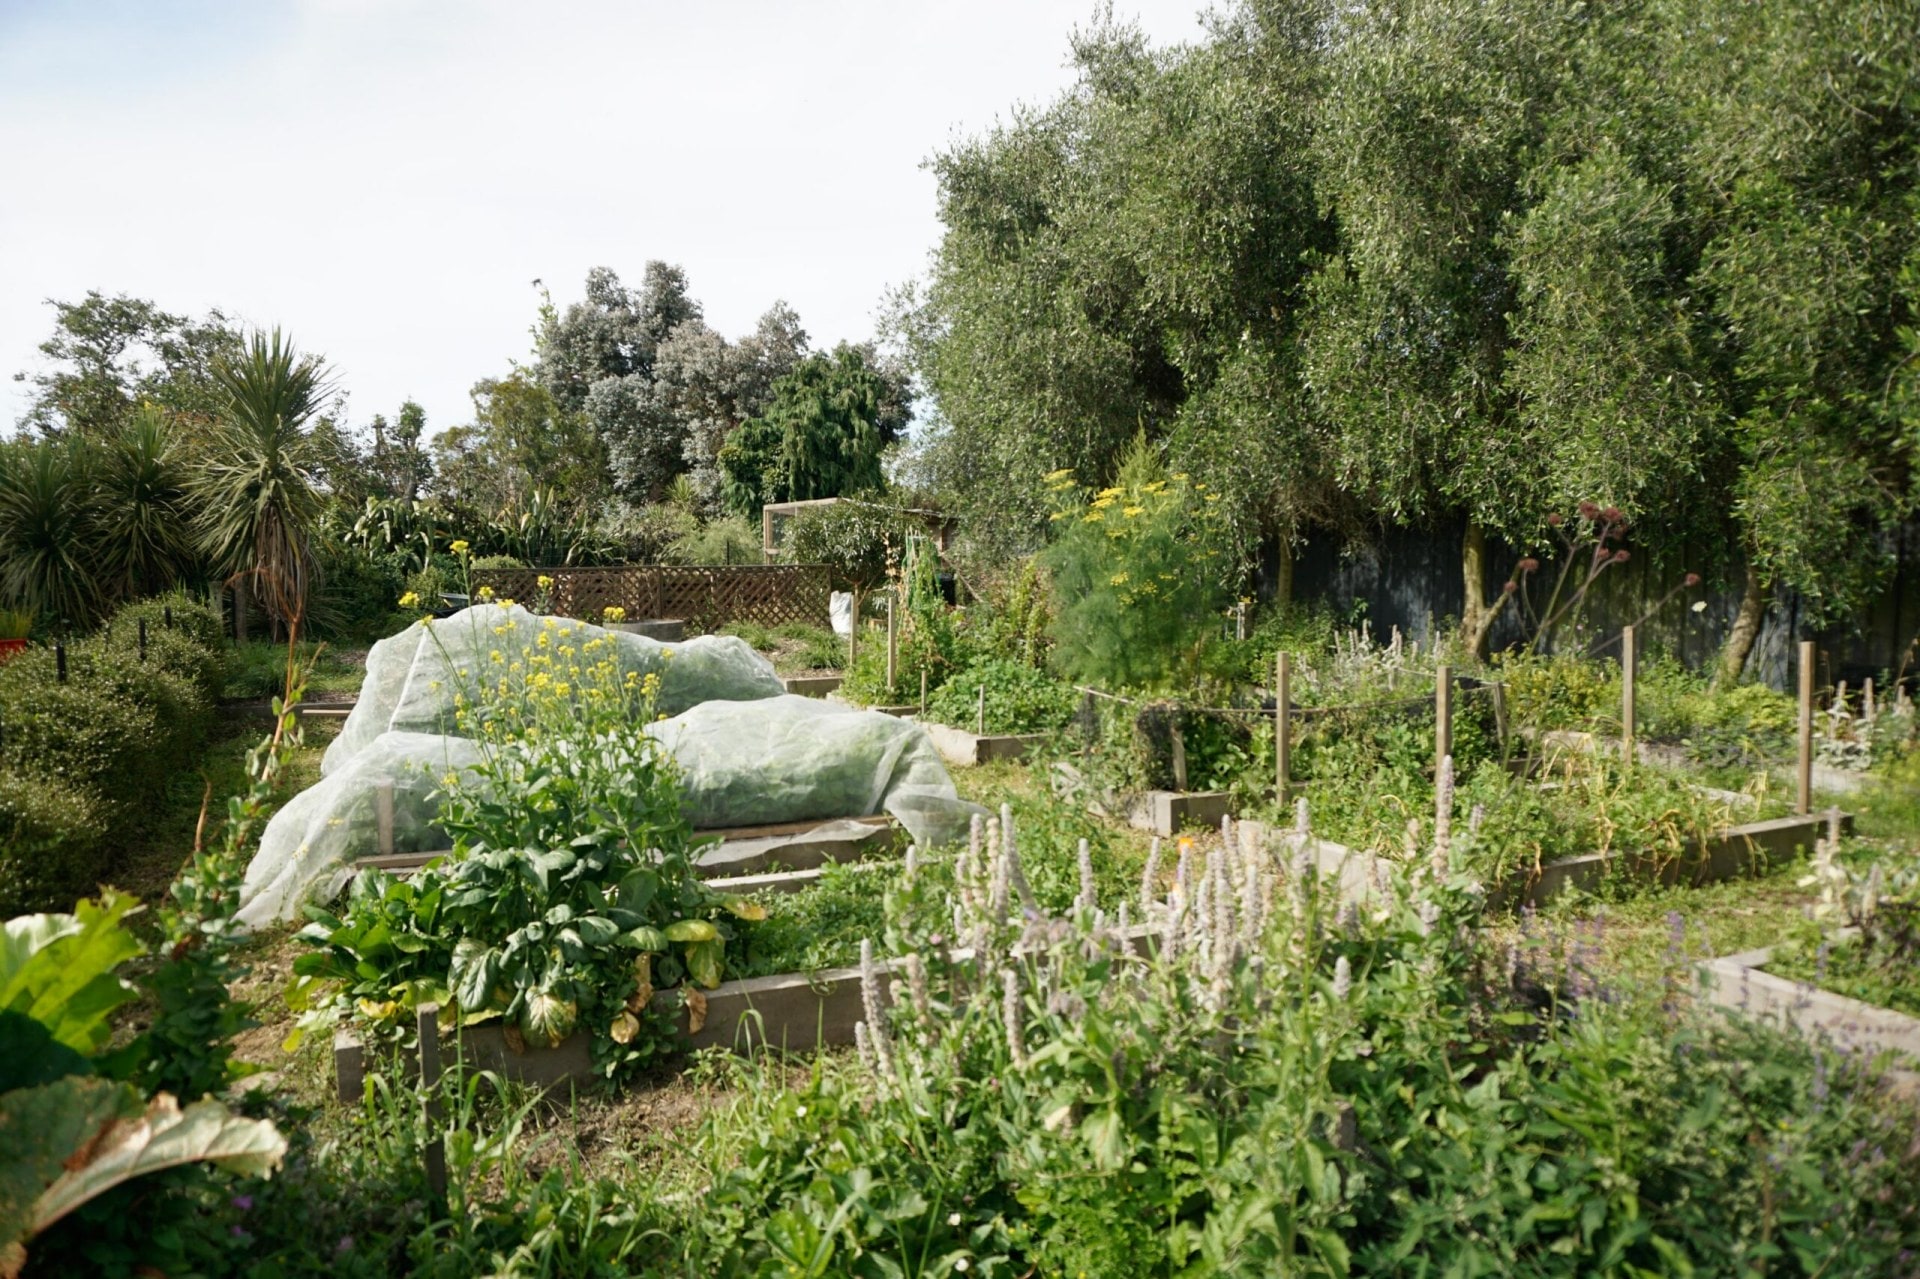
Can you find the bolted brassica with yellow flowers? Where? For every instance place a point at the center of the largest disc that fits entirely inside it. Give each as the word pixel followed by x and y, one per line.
pixel 570 897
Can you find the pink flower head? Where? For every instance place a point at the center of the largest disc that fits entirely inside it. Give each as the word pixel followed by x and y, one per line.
pixel 1693 579
pixel 1509 587
pixel 1611 515
pixel 1589 511
pixel 1556 520
pixel 1529 565
pixel 1620 556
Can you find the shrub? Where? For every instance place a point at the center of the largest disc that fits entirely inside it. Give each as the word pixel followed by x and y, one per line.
pixel 50 845
pixel 726 541
pixel 648 534
pixel 102 742
pixel 357 591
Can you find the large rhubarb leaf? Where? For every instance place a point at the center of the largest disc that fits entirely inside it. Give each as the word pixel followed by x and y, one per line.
pixel 58 969
pixel 66 1142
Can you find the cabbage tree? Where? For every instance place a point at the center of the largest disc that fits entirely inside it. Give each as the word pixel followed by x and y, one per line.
pixel 256 488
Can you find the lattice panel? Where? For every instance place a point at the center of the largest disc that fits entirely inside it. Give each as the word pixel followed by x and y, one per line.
pixel 706 598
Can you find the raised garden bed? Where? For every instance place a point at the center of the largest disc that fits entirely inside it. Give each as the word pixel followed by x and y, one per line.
pixel 738 850
pixel 813 685
pixel 965 750
pixel 797 1012
pixel 1733 853
pixel 1741 983
pixel 668 630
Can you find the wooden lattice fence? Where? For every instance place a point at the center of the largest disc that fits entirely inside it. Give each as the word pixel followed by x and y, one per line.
pixel 705 597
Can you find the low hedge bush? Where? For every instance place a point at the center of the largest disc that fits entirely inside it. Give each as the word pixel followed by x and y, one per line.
pixel 81 759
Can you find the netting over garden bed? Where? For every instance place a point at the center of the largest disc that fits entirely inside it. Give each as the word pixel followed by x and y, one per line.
pixel 745 756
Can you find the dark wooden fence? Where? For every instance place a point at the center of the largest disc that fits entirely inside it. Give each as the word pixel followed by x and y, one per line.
pixel 704 597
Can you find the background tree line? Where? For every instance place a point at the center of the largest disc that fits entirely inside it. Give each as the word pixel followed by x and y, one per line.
pixel 1410 261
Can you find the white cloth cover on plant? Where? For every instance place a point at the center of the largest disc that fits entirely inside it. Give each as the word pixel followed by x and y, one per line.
pixel 795 759
pixel 840 612
pixel 747 763
pixel 413 677
pixel 308 847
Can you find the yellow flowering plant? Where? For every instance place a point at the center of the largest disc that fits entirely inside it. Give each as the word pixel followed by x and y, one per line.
pixel 1137 573
pixel 570 898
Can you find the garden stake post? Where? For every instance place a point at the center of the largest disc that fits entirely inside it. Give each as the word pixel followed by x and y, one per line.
pixel 1629 660
pixel 1442 716
pixel 1803 802
pixel 143 639
pixel 166 616
pixel 436 1150
pixel 60 661
pixel 980 712
pixel 923 692
pixel 892 651
pixel 1282 729
pixel 383 816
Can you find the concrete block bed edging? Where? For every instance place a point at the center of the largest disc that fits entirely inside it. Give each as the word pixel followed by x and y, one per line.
pixel 963 749
pixel 1740 983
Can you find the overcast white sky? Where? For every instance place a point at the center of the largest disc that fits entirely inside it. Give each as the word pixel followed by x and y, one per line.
pixel 384 178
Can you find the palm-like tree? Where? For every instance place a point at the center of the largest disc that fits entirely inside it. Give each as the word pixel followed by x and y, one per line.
pixel 145 541
pixel 48 537
pixel 256 488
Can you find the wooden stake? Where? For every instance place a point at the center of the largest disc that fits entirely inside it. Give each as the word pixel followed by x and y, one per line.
pixel 923 692
pixel 1866 699
pixel 383 817
pixel 436 1150
pixel 1803 802
pixel 980 712
pixel 1442 716
pixel 1179 755
pixel 893 651
pixel 60 661
pixel 1629 668
pixel 1282 729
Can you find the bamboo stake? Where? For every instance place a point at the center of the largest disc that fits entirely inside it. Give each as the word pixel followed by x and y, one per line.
pixel 1803 803
pixel 893 651
pixel 1282 729
pixel 1629 669
pixel 1442 716
pixel 923 692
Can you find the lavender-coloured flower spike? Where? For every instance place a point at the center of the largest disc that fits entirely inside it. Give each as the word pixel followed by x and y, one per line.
pixel 1011 1015
pixel 911 867
pixel 1010 849
pixel 1342 979
pixel 1474 818
pixel 920 1000
pixel 863 1042
pixel 1443 820
pixel 1087 895
pixel 1150 878
pixel 1122 922
pixel 870 1000
pixel 1301 826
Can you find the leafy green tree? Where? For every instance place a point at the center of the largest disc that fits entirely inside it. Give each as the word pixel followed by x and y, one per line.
pixel 823 433
pixel 255 488
pixel 110 354
pixel 398 461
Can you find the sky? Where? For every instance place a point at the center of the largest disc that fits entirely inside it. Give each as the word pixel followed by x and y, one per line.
pixel 386 178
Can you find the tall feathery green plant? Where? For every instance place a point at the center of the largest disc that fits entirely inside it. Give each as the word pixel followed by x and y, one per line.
pixel 49 539
pixel 146 541
pixel 255 490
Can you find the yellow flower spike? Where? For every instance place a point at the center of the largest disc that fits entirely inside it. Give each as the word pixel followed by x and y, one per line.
pixel 460 547
pixel 496 656
pixel 1131 511
pixel 410 600
pixel 544 582
pixel 485 594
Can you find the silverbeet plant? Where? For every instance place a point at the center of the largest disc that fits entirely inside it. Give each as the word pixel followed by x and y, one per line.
pixel 570 897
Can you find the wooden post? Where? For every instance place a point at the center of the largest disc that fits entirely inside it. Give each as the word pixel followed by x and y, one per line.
pixel 1442 716
pixel 1282 729
pixel 1803 802
pixel 980 712
pixel 60 661
pixel 1629 664
pixel 143 639
pixel 383 817
pixel 436 1150
pixel 1179 743
pixel 1866 699
pixel 892 648
pixel 1240 620
pixel 923 692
